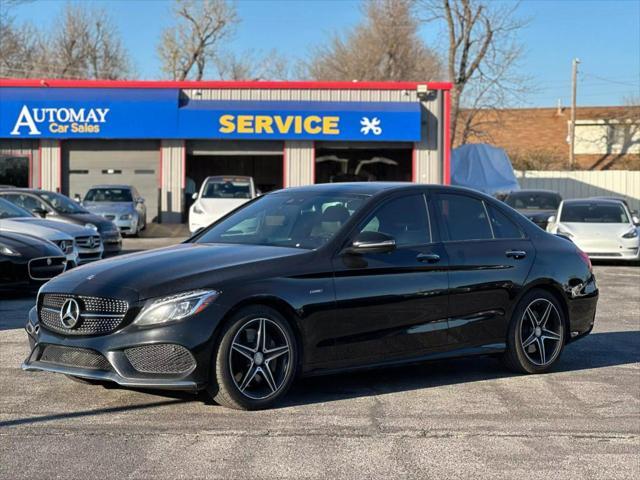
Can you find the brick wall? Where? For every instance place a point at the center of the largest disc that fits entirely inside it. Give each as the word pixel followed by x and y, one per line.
pixel 536 138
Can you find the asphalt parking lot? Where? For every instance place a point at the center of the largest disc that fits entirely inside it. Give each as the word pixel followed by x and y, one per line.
pixel 455 419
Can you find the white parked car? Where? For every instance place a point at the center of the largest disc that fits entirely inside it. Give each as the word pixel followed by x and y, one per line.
pixel 218 196
pixel 603 229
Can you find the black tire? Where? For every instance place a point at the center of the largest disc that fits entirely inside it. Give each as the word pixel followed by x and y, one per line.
pixel 228 373
pixel 524 357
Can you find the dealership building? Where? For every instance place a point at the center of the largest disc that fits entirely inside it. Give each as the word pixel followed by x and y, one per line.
pixel 165 138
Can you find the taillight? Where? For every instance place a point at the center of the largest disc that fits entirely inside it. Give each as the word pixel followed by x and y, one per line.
pixel 585 258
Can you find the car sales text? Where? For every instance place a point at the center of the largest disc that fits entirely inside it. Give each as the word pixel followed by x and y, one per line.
pixel 60 120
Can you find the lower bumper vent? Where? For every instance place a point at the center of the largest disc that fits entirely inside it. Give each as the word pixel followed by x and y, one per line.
pixel 161 358
pixel 74 357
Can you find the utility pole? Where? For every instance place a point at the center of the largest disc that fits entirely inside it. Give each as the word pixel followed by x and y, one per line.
pixel 572 130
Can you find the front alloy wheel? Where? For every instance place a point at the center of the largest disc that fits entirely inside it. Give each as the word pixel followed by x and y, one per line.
pixel 255 361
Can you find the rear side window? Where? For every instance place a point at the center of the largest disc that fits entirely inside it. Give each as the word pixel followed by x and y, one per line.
pixel 405 219
pixel 503 227
pixel 464 218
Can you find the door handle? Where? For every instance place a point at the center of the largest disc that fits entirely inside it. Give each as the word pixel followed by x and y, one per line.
pixel 517 254
pixel 428 257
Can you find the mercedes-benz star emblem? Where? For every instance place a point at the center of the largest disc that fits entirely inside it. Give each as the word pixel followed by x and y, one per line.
pixel 70 313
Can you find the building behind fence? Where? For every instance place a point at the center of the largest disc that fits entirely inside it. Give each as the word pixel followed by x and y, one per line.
pixel 583 184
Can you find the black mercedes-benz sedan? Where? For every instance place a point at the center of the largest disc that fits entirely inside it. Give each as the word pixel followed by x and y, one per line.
pixel 319 279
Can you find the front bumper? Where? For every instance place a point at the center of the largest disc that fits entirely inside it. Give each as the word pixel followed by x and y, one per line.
pixel 582 300
pixel 112 241
pixel 112 360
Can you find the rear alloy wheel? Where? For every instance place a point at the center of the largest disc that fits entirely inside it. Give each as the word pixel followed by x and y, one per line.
pixel 536 334
pixel 255 360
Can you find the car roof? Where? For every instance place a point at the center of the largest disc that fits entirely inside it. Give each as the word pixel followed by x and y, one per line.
pixel 533 190
pixel 589 201
pixel 372 188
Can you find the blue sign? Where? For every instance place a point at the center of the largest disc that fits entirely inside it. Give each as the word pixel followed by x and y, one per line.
pixel 157 113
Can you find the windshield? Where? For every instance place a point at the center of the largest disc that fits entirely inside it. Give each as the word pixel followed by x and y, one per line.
pixel 534 201
pixel 301 219
pixel 108 195
pixel 62 204
pixel 9 210
pixel 594 213
pixel 227 188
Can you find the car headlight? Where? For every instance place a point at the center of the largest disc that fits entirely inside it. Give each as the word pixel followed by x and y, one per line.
pixel 8 251
pixel 126 216
pixel 631 233
pixel 175 307
pixel 197 209
pixel 91 226
pixel 565 232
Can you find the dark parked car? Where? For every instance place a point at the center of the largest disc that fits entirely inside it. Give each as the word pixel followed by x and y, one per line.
pixel 317 279
pixel 536 205
pixel 55 206
pixel 26 261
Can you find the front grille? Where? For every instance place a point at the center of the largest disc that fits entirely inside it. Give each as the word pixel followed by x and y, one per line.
pixel 98 316
pixel 74 357
pixel 161 358
pixel 46 268
pixel 92 241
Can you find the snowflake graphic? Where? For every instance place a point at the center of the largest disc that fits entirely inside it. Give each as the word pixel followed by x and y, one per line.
pixel 370 125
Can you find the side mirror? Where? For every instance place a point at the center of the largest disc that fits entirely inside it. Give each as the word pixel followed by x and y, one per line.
pixel 372 242
pixel 195 196
pixel 140 200
pixel 551 219
pixel 41 212
pixel 77 198
pixel 635 220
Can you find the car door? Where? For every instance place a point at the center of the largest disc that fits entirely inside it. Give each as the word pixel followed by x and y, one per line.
pixel 391 305
pixel 489 260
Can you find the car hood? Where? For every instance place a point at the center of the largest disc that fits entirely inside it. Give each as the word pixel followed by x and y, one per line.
pixel 220 206
pixel 593 230
pixel 68 228
pixel 104 208
pixel 33 226
pixel 168 270
pixel 84 218
pixel 29 246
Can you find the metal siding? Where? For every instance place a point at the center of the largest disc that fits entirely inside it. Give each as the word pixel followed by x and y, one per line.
pixel 172 156
pixel 26 148
pixel 299 163
pixel 51 159
pixel 428 157
pixel 304 95
pixel 584 184
pixel 127 156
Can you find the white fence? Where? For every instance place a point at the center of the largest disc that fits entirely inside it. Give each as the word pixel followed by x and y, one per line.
pixel 582 184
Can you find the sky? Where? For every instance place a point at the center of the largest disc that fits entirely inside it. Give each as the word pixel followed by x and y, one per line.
pixel 603 34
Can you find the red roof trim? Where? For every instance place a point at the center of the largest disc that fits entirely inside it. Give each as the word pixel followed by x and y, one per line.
pixel 301 85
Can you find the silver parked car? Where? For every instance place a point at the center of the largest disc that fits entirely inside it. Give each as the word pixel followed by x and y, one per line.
pixel 122 204
pixel 603 229
pixel 86 245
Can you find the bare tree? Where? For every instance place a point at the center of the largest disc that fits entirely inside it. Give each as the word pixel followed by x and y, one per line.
pixel 195 39
pixel 482 57
pixel 385 46
pixel 85 44
pixel 252 66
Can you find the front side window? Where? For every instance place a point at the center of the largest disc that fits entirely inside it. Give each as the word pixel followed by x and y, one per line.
pixel 9 210
pixel 594 213
pixel 109 195
pixel 464 218
pixel 61 203
pixel 290 219
pixel 405 219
